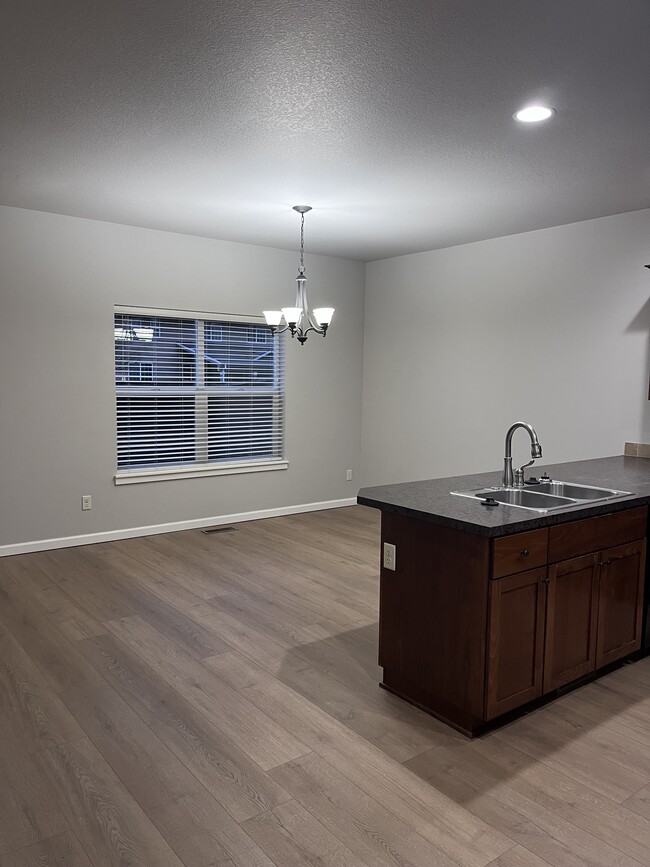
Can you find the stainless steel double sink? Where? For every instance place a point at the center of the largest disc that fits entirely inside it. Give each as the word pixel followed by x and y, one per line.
pixel 544 497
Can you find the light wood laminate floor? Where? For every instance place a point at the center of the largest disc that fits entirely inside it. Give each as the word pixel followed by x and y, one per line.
pixel 192 700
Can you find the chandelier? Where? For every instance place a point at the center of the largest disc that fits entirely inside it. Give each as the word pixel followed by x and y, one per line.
pixel 299 320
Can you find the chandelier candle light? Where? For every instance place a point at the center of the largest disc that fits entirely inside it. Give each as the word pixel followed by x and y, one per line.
pixel 299 320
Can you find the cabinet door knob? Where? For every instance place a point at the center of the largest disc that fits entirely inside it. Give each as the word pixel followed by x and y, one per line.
pixel 546 580
pixel 525 552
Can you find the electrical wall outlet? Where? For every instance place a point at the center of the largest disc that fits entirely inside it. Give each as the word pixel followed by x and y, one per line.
pixel 348 475
pixel 86 502
pixel 390 555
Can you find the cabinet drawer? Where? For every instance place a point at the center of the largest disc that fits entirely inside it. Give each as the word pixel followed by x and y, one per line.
pixel 519 552
pixel 593 534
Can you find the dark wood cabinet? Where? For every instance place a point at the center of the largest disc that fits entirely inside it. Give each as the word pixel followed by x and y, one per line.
pixel 469 631
pixel 571 620
pixel 583 614
pixel 516 641
pixel 620 608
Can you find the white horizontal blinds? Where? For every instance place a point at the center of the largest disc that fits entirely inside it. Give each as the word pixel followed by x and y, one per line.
pixel 197 392
pixel 244 377
pixel 154 431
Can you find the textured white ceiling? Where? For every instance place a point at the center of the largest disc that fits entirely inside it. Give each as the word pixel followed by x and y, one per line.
pixel 392 118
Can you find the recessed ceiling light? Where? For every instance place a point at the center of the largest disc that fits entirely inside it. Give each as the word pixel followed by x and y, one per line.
pixel 533 113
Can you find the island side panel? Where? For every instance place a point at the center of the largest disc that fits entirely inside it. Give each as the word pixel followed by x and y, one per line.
pixel 645 629
pixel 433 618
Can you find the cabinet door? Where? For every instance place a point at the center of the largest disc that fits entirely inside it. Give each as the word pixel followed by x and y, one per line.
pixel 622 571
pixel 515 641
pixel 571 620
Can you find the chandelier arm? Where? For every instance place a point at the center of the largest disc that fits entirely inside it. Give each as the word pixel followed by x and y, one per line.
pixel 301 333
pixel 313 325
pixel 316 328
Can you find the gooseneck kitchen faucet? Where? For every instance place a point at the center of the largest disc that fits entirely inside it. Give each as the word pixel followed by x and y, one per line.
pixel 535 452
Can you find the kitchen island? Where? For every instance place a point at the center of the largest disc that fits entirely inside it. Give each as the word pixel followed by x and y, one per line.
pixel 489 609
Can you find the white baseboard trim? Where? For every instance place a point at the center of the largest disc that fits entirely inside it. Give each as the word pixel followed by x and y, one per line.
pixel 154 529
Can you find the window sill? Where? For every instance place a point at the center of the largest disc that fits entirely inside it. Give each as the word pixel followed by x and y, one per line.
pixel 133 477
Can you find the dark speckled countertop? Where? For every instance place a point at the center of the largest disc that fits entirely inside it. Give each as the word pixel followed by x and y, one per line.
pixel 431 500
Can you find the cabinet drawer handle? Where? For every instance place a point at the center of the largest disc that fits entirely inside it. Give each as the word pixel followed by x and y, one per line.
pixel 525 552
pixel 605 563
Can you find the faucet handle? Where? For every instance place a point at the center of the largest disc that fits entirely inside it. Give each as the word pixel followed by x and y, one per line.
pixel 519 481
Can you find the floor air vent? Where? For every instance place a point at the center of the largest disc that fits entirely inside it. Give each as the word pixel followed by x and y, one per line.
pixel 209 531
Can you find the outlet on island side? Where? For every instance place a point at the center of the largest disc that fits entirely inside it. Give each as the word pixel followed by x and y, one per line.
pixel 86 502
pixel 390 555
pixel 348 475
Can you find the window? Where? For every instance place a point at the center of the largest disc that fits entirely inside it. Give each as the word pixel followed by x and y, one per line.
pixel 196 396
pixel 262 335
pixel 213 331
pixel 140 371
pixel 136 329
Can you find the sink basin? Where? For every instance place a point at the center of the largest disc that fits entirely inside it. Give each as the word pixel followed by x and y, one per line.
pixel 545 497
pixel 528 499
pixel 521 498
pixel 578 492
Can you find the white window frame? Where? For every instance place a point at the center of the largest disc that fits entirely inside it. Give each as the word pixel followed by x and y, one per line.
pixel 189 471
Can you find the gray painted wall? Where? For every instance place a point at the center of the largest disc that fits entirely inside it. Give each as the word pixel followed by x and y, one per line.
pixel 549 327
pixel 60 277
